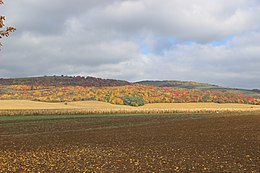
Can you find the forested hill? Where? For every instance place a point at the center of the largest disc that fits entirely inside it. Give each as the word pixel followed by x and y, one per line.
pixel 179 84
pixel 60 81
pixel 200 86
pixel 66 88
pixel 63 81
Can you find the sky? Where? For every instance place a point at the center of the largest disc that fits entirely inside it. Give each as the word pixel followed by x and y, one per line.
pixel 212 41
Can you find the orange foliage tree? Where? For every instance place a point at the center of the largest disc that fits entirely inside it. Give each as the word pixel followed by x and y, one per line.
pixel 134 95
pixel 4 30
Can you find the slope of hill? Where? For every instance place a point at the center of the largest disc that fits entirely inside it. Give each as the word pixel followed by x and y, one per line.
pixel 201 86
pixel 64 89
pixel 63 81
pixel 178 84
pixel 134 95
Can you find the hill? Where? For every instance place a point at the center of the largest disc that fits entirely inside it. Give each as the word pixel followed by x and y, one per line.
pixel 201 86
pixel 66 89
pixel 178 84
pixel 134 95
pixel 63 81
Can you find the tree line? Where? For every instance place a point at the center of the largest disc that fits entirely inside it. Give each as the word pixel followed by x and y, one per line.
pixel 134 95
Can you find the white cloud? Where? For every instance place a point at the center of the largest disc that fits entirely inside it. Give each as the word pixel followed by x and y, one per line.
pixel 214 41
pixel 199 20
pixel 235 64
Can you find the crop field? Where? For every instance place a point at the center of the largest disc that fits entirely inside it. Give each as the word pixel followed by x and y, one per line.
pixel 131 143
pixel 199 106
pixel 25 107
pixel 26 104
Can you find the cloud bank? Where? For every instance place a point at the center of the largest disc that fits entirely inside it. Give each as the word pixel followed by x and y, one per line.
pixel 213 41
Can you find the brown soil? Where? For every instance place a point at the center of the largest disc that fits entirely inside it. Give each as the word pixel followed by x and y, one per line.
pixel 153 143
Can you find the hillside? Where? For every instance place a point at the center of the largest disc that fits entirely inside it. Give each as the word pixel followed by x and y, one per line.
pixel 67 89
pixel 201 86
pixel 134 95
pixel 63 81
pixel 178 84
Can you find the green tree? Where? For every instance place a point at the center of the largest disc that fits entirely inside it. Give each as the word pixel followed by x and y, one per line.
pixel 205 98
pixel 133 101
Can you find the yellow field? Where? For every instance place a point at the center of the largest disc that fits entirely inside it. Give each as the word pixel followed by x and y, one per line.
pixel 25 104
pixel 199 106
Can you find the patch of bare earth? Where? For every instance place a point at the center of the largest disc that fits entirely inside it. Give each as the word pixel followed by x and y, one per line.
pixel 154 143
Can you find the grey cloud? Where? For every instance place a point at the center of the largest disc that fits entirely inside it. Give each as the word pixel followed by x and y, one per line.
pixel 45 17
pixel 106 39
pixel 233 64
pixel 200 21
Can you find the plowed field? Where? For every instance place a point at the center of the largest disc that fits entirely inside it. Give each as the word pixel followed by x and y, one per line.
pixel 134 143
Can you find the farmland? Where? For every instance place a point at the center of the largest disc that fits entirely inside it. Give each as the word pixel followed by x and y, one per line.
pixel 65 124
pixel 25 107
pixel 131 143
pixel 26 104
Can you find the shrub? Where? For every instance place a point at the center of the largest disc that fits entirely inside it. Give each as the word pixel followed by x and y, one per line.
pixel 133 101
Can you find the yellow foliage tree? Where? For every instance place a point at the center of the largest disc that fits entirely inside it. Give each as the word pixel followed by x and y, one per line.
pixel 117 101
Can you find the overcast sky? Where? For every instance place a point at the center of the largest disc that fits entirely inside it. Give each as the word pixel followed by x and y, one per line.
pixel 213 41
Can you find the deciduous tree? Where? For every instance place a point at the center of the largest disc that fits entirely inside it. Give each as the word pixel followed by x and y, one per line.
pixel 4 30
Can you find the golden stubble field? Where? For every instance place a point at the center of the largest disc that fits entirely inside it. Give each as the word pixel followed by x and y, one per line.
pixel 25 107
pixel 26 104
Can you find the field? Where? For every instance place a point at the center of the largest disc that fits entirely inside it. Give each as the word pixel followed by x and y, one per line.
pixel 26 104
pixel 131 143
pixel 25 107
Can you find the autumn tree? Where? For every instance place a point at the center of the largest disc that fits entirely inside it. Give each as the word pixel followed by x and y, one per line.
pixel 4 30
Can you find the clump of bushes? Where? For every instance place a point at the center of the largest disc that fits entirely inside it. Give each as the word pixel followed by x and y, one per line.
pixel 133 101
